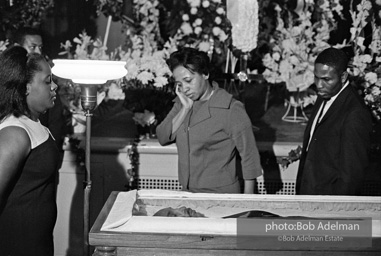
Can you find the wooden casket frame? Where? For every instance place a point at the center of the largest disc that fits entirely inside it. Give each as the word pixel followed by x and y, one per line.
pixel 164 243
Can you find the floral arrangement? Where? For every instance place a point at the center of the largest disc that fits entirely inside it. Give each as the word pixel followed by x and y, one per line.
pixel 86 49
pixel 243 16
pixel 204 25
pixel 147 87
pixel 365 67
pixel 296 43
pixel 146 14
pixel 146 66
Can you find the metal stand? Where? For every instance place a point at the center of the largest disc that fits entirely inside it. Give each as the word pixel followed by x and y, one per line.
pixel 87 184
pixel 88 102
pixel 295 104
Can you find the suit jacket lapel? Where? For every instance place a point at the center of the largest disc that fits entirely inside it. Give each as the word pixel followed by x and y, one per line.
pixel 334 108
pixel 315 111
pixel 219 99
pixel 202 114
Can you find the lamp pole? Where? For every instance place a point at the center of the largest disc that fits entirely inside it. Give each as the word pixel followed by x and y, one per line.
pixel 88 73
pixel 88 102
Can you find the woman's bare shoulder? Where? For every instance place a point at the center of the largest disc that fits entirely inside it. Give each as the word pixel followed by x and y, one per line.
pixel 14 138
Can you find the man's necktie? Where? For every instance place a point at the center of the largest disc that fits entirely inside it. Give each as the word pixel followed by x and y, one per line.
pixel 316 122
pixel 320 114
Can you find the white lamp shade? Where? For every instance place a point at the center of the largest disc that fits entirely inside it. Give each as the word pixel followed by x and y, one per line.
pixel 89 71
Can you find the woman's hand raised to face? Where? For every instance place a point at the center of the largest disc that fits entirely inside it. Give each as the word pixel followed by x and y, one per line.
pixel 185 101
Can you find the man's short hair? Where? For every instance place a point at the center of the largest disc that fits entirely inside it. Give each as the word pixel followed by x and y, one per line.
pixel 335 58
pixel 19 35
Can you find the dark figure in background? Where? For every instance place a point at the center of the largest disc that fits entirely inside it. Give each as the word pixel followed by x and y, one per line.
pixel 29 158
pixel 54 119
pixel 337 137
pixel 210 129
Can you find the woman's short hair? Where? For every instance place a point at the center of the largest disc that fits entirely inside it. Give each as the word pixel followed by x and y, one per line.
pixel 190 58
pixel 17 69
pixel 335 58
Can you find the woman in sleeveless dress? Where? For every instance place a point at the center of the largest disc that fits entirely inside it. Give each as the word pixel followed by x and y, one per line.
pixel 28 155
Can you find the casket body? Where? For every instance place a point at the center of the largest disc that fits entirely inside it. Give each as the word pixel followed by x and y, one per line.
pixel 117 232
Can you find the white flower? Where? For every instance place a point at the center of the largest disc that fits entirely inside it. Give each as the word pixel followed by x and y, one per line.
pixel 222 36
pixel 204 46
pixel 194 3
pixel 193 10
pixel 276 56
pixel 216 31
pixel 198 22
pixel 197 30
pixel 185 17
pixel 376 91
pixel 371 77
pixel 218 20
pixel 205 4
pixel 115 92
pixel 160 81
pixel 186 28
pixel 220 11
pixel 296 31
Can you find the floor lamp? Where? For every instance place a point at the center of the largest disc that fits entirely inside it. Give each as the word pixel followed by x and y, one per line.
pixel 89 74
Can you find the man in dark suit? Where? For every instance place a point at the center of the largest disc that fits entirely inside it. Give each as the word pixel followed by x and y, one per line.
pixel 337 136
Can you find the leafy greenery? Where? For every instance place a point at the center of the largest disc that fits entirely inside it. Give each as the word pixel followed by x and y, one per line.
pixel 20 13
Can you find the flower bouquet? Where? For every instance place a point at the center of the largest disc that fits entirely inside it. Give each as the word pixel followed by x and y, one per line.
pixel 296 43
pixel 204 24
pixel 365 66
pixel 147 85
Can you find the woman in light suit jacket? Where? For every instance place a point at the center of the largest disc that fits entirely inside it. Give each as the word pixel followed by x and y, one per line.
pixel 210 129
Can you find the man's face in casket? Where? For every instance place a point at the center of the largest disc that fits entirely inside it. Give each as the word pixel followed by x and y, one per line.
pixel 178 212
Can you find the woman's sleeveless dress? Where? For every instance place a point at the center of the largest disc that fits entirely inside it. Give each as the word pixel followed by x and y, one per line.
pixel 29 216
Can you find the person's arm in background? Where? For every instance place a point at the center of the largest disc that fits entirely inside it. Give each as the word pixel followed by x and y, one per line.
pixel 249 186
pixel 15 146
pixel 354 158
pixel 243 136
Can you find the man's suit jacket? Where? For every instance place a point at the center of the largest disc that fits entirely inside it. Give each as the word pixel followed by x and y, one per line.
pixel 337 156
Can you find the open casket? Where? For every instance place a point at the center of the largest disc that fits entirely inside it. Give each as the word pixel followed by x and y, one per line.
pixel 118 230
